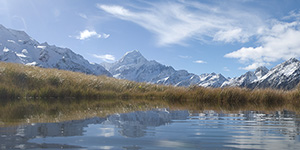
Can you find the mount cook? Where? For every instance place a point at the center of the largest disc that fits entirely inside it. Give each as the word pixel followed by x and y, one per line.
pixel 18 47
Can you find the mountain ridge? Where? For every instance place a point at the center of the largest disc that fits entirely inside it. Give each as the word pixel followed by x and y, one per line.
pixel 18 47
pixel 134 66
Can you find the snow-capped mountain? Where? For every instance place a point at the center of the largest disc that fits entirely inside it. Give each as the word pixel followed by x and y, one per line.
pixel 247 78
pixel 18 47
pixel 134 66
pixel 283 76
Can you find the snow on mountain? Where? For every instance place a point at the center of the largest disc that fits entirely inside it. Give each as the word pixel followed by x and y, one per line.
pixel 283 76
pixel 134 66
pixel 18 47
pixel 247 78
pixel 212 80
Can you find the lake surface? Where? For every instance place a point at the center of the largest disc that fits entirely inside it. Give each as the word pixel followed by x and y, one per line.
pixel 161 129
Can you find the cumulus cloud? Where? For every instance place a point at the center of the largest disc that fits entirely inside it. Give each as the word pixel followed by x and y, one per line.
pixel 200 62
pixel 175 21
pixel 106 57
pixel 279 42
pixel 88 34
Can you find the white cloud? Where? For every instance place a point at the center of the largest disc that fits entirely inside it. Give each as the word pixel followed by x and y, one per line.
pixel 106 35
pixel 106 57
pixel 231 35
pixel 88 34
pixel 279 42
pixel 174 22
pixel 293 15
pixel 200 62
pixel 84 16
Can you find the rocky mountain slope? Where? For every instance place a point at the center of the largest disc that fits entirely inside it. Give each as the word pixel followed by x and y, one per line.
pixel 247 78
pixel 134 66
pixel 283 76
pixel 18 47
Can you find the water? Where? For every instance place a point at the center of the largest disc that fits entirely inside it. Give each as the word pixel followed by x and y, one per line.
pixel 161 129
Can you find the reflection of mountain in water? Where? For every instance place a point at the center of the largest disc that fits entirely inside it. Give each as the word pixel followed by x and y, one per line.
pixel 131 124
pixel 17 137
pixel 134 124
pixel 139 124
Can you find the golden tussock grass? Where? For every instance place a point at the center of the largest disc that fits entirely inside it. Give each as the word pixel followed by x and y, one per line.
pixel 27 91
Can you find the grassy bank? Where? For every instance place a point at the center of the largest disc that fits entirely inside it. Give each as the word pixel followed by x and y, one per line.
pixel 27 91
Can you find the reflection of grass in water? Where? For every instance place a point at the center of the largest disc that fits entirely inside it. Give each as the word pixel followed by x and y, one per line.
pixel 41 111
pixel 32 91
pixel 31 111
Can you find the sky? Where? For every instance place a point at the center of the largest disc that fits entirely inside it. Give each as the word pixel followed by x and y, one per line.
pixel 222 36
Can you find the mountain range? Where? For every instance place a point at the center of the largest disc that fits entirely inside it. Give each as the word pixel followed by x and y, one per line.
pixel 18 47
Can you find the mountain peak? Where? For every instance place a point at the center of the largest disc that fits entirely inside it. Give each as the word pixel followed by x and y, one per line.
pixel 261 71
pixel 133 57
pixel 14 35
pixel 133 52
pixel 292 60
pixel 262 68
pixel 289 62
pixel 25 50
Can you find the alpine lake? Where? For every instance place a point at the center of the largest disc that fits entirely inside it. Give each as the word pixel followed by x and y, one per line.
pixel 160 128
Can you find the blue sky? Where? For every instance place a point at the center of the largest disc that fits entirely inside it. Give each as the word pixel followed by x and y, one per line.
pixel 221 36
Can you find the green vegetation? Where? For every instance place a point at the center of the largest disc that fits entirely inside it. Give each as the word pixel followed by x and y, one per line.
pixel 27 91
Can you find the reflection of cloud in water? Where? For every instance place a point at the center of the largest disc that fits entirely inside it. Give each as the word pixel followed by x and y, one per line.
pixel 174 144
pixel 95 130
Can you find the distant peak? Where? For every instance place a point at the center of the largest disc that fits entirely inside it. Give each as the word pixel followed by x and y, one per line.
pixel 134 52
pixel 290 61
pixel 133 57
pixel 262 68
